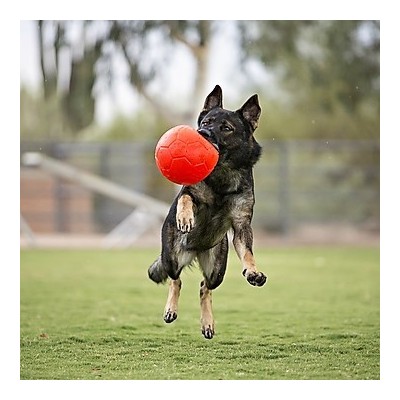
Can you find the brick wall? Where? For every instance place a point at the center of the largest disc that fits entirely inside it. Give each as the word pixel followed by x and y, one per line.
pixel 51 205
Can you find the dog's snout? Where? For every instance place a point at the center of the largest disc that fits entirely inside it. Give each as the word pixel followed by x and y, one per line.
pixel 205 132
pixel 208 134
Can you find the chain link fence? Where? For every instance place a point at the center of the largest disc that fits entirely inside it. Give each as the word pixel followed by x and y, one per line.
pixel 298 182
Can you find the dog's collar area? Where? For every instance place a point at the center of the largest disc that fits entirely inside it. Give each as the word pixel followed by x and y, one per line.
pixel 228 192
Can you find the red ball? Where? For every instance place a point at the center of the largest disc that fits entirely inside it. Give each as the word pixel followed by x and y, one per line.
pixel 184 156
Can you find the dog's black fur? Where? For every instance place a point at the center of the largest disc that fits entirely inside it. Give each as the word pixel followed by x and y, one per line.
pixel 201 215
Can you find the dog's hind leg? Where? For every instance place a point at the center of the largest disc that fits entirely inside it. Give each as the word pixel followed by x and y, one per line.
pixel 206 319
pixel 213 265
pixel 174 263
pixel 171 307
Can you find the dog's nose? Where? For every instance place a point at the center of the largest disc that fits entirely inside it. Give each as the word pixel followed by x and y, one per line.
pixel 204 132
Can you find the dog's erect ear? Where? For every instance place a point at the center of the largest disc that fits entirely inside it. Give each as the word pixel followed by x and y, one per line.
pixel 251 111
pixel 214 99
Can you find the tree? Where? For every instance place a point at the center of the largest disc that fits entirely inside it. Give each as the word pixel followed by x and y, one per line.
pixel 145 46
pixel 57 48
pixel 329 70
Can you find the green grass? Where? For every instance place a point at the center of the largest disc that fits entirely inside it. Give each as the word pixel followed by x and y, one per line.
pixel 95 315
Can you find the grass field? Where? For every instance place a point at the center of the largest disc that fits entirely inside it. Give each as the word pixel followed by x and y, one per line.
pixel 94 314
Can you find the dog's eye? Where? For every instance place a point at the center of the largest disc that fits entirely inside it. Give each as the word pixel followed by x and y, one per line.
pixel 227 128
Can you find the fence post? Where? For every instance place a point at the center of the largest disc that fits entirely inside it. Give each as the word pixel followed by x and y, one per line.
pixel 284 186
pixel 60 217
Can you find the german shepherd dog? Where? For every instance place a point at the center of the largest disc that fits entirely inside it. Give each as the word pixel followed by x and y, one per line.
pixel 200 217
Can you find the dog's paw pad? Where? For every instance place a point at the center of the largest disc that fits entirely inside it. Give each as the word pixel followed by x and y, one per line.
pixel 170 316
pixel 208 332
pixel 255 278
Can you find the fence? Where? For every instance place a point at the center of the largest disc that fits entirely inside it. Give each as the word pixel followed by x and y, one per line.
pixel 297 183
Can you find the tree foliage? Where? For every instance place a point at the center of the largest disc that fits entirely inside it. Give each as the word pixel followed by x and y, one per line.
pixel 60 51
pixel 327 71
pixel 147 46
pixel 88 49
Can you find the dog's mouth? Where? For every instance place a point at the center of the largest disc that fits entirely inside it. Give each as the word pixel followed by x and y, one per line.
pixel 208 136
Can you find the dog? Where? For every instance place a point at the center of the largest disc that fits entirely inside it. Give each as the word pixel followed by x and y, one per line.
pixel 196 227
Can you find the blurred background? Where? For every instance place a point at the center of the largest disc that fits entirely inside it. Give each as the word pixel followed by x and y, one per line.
pixel 96 96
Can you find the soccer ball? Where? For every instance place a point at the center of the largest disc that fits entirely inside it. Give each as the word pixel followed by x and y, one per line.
pixel 185 157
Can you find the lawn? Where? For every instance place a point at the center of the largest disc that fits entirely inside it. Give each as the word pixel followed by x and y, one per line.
pixel 94 314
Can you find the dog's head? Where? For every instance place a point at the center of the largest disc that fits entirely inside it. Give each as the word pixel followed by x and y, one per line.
pixel 231 131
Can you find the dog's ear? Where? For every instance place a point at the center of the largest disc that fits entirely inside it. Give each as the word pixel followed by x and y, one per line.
pixel 251 111
pixel 214 99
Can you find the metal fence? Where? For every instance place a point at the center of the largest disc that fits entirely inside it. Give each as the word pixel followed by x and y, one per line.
pixel 297 183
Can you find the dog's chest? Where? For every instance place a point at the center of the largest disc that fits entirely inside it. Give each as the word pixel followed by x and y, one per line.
pixel 225 180
pixel 214 220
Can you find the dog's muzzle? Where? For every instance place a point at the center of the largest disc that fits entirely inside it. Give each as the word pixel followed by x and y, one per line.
pixel 207 134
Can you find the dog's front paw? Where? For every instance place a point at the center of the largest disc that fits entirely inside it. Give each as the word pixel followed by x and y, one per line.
pixel 185 221
pixel 255 278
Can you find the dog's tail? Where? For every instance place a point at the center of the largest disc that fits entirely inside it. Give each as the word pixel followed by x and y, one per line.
pixel 156 272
